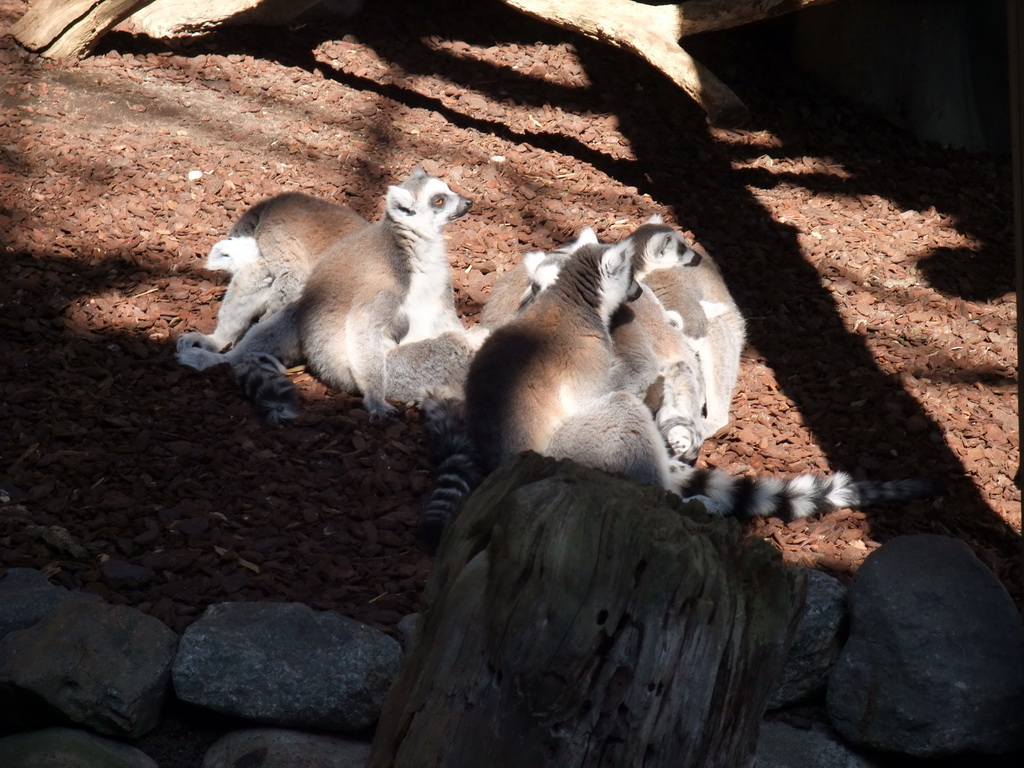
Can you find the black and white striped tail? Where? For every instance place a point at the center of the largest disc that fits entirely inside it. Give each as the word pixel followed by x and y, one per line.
pixel 793 498
pixel 264 380
pixel 458 466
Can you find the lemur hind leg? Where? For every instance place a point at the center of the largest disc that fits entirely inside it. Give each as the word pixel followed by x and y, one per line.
pixel 617 434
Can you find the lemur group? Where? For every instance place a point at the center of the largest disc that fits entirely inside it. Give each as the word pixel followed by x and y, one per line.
pixel 620 356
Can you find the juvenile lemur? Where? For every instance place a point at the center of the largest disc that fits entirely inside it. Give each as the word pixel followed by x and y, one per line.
pixel 270 253
pixel 544 382
pixel 377 307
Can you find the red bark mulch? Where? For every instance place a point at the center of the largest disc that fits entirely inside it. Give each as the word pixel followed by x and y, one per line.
pixel 876 272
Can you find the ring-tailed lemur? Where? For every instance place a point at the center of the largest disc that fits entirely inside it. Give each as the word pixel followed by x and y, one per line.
pixel 655 360
pixel 270 253
pixel 371 293
pixel 544 382
pixel 699 300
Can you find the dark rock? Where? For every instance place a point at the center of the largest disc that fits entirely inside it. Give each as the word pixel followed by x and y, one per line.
pixel 780 745
pixel 27 597
pixel 274 748
pixel 934 664
pixel 287 665
pixel 119 573
pixel 69 748
pixel 816 645
pixel 102 666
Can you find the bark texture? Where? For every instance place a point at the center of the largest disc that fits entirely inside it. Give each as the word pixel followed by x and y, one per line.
pixel 578 619
pixel 68 29
pixel 653 31
pixel 173 18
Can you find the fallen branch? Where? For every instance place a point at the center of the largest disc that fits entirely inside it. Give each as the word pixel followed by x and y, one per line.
pixel 70 29
pixel 652 32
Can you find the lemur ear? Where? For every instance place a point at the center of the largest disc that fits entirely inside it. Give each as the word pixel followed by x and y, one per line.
pixel 532 260
pixel 417 173
pixel 655 219
pixel 542 270
pixel 400 200
pixel 616 258
pixel 587 237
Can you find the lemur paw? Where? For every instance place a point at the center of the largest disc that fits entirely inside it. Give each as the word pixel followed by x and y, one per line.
pixel 684 440
pixel 196 340
pixel 208 342
pixel 379 409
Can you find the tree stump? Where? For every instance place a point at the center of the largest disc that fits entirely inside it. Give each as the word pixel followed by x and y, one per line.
pixel 574 618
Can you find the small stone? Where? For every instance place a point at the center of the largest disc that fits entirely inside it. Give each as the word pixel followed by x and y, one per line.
pixel 276 748
pixel 69 747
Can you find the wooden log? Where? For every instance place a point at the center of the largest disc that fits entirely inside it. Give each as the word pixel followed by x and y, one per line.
pixel 653 32
pixel 175 18
pixel 701 16
pixel 650 32
pixel 69 29
pixel 574 618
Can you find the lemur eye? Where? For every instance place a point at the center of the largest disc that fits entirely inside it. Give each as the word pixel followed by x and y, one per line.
pixel 438 201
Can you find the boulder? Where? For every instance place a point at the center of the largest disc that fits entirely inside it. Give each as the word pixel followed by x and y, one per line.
pixel 103 666
pixel 287 665
pixel 816 645
pixel 934 664
pixel 27 597
pixel 69 748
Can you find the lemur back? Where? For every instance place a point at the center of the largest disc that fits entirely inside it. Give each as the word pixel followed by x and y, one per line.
pixel 548 372
pixel 516 288
pixel 389 284
pixel 270 253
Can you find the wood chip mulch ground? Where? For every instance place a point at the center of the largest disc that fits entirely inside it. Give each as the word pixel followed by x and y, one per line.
pixel 876 272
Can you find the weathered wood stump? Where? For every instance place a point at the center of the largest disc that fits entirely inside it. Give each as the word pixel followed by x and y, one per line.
pixel 578 619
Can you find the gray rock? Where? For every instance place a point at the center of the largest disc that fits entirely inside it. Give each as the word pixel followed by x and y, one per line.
pixel 102 666
pixel 284 664
pixel 782 746
pixel 934 663
pixel 27 597
pixel 69 748
pixel 274 748
pixel 816 645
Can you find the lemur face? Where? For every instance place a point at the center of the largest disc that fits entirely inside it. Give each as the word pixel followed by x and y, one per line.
pixel 425 203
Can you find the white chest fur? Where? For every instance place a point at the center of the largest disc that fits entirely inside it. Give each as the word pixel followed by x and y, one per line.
pixel 429 304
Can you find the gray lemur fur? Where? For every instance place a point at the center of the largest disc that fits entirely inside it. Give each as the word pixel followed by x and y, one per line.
pixel 372 293
pixel 655 359
pixel 270 253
